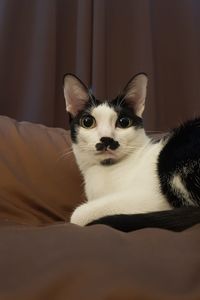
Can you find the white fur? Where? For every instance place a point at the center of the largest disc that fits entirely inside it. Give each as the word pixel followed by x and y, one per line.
pixel 131 185
pixel 178 187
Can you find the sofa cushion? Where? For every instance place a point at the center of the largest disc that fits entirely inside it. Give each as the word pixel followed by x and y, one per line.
pixel 39 184
pixel 39 180
pixel 66 261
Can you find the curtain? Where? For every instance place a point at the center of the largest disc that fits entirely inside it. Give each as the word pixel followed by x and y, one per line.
pixel 104 42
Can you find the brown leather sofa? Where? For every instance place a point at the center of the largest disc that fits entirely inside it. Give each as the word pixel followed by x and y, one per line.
pixel 44 257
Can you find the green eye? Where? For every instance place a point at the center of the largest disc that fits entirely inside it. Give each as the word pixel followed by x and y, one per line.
pixel 87 122
pixel 124 122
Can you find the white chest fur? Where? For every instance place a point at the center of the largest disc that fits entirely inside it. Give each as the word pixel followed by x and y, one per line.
pixel 135 176
pixel 129 187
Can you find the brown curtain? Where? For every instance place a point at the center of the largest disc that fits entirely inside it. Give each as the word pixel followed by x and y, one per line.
pixel 104 42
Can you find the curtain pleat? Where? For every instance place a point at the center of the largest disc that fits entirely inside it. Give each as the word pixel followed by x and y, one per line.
pixel 104 43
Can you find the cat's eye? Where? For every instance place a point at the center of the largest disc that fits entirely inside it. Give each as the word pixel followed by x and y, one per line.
pixel 124 122
pixel 87 122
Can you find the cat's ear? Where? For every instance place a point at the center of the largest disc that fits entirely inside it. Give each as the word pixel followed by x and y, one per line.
pixel 76 94
pixel 135 93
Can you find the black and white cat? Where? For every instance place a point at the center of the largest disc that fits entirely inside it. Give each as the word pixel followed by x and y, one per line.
pixel 126 172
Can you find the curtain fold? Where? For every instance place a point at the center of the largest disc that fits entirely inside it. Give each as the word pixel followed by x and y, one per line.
pixel 104 43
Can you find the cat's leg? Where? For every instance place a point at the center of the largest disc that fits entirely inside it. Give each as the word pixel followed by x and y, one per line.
pixel 120 203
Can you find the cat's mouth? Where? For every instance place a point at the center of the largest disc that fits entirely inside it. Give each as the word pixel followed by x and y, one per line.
pixel 107 151
pixel 109 156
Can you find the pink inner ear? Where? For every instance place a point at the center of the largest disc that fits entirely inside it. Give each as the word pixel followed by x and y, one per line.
pixel 135 93
pixel 76 106
pixel 137 102
pixel 76 95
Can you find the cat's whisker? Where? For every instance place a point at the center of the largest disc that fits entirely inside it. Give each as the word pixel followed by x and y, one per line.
pixel 62 152
pixel 90 149
pixel 64 155
pixel 91 98
pixel 121 101
pixel 88 146
pixel 129 147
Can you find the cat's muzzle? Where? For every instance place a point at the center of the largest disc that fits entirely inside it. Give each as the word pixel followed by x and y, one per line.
pixel 107 143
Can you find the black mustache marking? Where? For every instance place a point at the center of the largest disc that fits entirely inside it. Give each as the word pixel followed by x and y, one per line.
pixel 107 142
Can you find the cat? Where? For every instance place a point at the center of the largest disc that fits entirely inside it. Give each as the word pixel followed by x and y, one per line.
pixel 125 171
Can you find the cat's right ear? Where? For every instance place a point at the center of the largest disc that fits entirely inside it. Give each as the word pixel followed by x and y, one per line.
pixel 76 94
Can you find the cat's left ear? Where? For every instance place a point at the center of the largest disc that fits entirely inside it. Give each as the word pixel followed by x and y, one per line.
pixel 135 93
pixel 76 94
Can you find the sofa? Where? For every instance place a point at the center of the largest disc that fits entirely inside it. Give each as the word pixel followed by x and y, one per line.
pixel 44 257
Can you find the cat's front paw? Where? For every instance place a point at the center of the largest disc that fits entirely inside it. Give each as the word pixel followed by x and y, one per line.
pixel 81 215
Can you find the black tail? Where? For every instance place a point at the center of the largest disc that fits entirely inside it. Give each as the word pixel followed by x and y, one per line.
pixel 177 219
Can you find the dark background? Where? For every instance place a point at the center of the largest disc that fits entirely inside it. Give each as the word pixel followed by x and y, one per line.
pixel 104 42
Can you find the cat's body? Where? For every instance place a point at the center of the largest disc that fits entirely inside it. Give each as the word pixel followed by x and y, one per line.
pixel 123 187
pixel 125 172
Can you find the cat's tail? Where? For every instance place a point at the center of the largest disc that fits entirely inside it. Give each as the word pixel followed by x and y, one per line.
pixel 177 219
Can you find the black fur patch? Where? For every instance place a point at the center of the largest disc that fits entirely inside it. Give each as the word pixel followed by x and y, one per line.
pixel 181 156
pixel 74 121
pixel 107 142
pixel 107 162
pixel 123 109
pixel 177 219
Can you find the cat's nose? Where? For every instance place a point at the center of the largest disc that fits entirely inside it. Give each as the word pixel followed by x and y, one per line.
pixel 107 142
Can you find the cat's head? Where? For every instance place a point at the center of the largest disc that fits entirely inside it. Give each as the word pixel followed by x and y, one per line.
pixel 105 132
